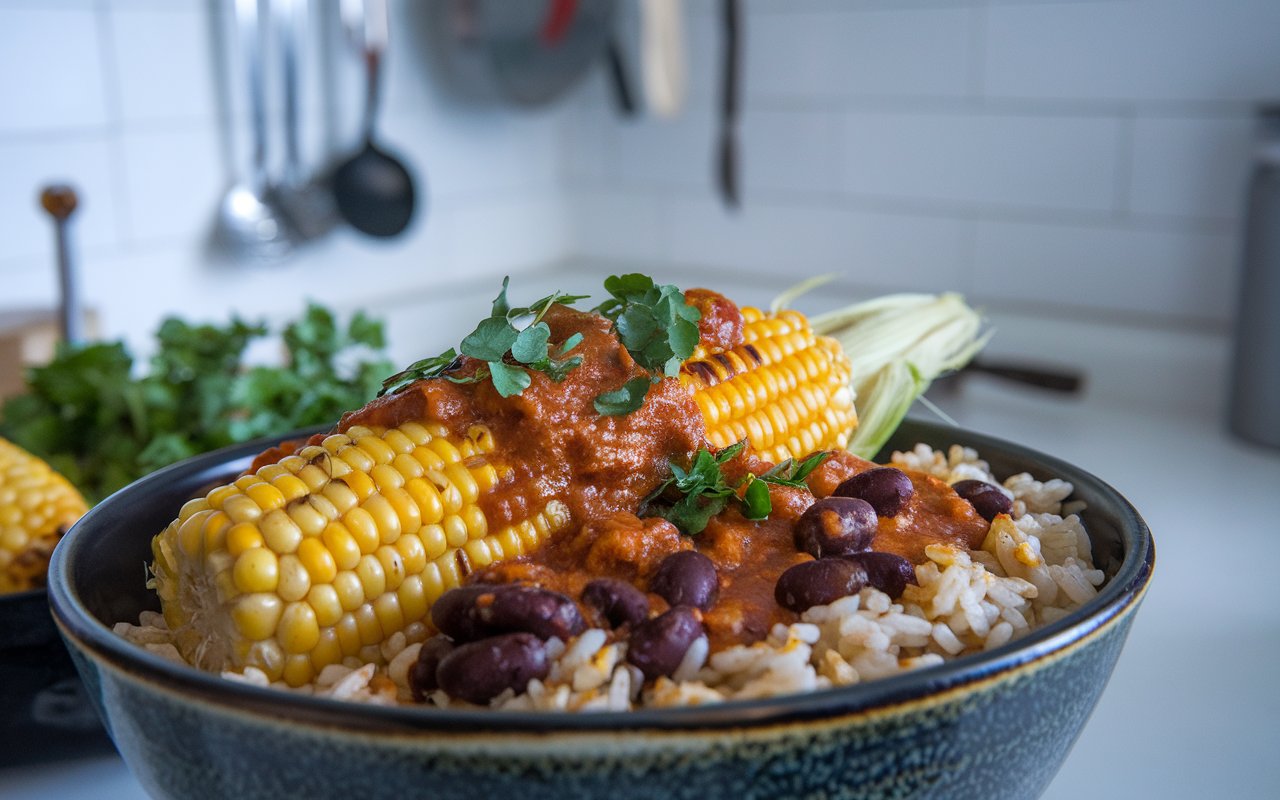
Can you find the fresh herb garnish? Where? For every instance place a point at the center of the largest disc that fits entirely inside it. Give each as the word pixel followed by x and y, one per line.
pixel 656 326
pixel 510 354
pixel 704 492
pixel 624 400
pixel 789 473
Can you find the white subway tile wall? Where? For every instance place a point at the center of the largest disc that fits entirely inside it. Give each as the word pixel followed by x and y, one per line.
pixel 1072 156
pixel 1075 156
pixel 126 99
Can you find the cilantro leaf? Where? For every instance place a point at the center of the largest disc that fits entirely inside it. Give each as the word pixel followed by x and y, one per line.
pixel 508 380
pixel 530 346
pixel 788 473
pixel 625 399
pixel 491 340
pixel 703 491
pixel 755 500
pixel 653 321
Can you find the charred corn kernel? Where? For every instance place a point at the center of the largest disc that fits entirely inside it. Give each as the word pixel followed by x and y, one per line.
pixel 784 389
pixel 37 505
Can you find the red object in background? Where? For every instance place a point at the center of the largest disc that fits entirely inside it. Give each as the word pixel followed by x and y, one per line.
pixel 559 18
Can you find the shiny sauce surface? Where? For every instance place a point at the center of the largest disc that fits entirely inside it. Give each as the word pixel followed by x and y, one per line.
pixel 550 443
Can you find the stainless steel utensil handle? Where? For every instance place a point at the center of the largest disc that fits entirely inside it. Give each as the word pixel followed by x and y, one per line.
pixel 367 25
pixel 247 32
pixel 289 16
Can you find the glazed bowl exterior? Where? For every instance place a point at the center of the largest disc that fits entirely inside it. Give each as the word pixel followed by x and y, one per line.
pixel 994 725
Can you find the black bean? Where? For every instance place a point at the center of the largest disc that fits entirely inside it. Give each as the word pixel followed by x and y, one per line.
pixel 473 612
pixel 657 646
pixel 480 671
pixel 617 601
pixel 686 578
pixel 986 498
pixel 836 526
pixel 422 675
pixel 816 583
pixel 888 572
pixel 887 489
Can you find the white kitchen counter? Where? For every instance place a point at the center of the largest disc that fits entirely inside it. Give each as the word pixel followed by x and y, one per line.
pixel 1193 707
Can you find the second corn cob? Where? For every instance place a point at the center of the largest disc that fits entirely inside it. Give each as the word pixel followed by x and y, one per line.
pixel 328 553
pixel 37 505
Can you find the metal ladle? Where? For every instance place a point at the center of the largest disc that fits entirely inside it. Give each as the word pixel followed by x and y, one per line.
pixel 249 227
pixel 373 190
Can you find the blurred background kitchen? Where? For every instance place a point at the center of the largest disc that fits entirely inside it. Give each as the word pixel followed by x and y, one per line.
pixel 1079 170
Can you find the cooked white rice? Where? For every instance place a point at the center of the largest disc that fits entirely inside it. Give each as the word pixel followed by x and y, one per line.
pixel 1030 570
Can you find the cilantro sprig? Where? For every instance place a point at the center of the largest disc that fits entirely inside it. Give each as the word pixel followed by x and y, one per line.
pixel 510 353
pixel 702 491
pixel 656 326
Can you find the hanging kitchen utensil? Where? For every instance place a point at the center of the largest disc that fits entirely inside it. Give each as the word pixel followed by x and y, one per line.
pixel 249 227
pixel 373 189
pixel 524 54
pixel 306 201
pixel 60 202
pixel 663 65
pixel 727 154
pixel 619 80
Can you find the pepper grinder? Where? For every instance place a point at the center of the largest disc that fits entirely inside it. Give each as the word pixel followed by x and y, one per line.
pixel 60 201
pixel 1255 379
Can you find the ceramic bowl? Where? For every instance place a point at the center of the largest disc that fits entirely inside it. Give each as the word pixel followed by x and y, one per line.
pixel 994 725
pixel 45 712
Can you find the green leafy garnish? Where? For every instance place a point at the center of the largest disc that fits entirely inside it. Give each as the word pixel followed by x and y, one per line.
pixel 704 492
pixel 789 473
pixel 624 400
pixel 656 326
pixel 102 423
pixel 510 353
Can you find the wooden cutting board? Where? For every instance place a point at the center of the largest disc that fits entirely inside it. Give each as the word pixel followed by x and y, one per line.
pixel 28 337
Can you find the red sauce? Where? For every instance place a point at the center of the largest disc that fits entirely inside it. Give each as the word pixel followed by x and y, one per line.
pixel 551 443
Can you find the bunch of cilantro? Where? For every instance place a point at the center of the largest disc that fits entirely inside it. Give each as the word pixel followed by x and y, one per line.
pixel 101 424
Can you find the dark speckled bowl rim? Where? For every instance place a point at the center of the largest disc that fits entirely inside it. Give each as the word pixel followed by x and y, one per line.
pixel 1121 594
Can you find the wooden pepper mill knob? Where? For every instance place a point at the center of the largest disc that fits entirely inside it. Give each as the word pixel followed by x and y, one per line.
pixel 60 201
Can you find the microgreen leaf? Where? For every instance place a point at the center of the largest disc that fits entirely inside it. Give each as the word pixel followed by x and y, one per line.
pixel 508 380
pixel 623 400
pixel 530 345
pixel 501 308
pixel 491 340
pixel 570 343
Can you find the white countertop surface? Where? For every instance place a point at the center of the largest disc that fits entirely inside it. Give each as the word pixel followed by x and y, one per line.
pixel 1193 708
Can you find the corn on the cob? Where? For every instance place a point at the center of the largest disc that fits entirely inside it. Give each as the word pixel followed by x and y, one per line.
pixel 331 551
pixel 784 389
pixel 37 505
